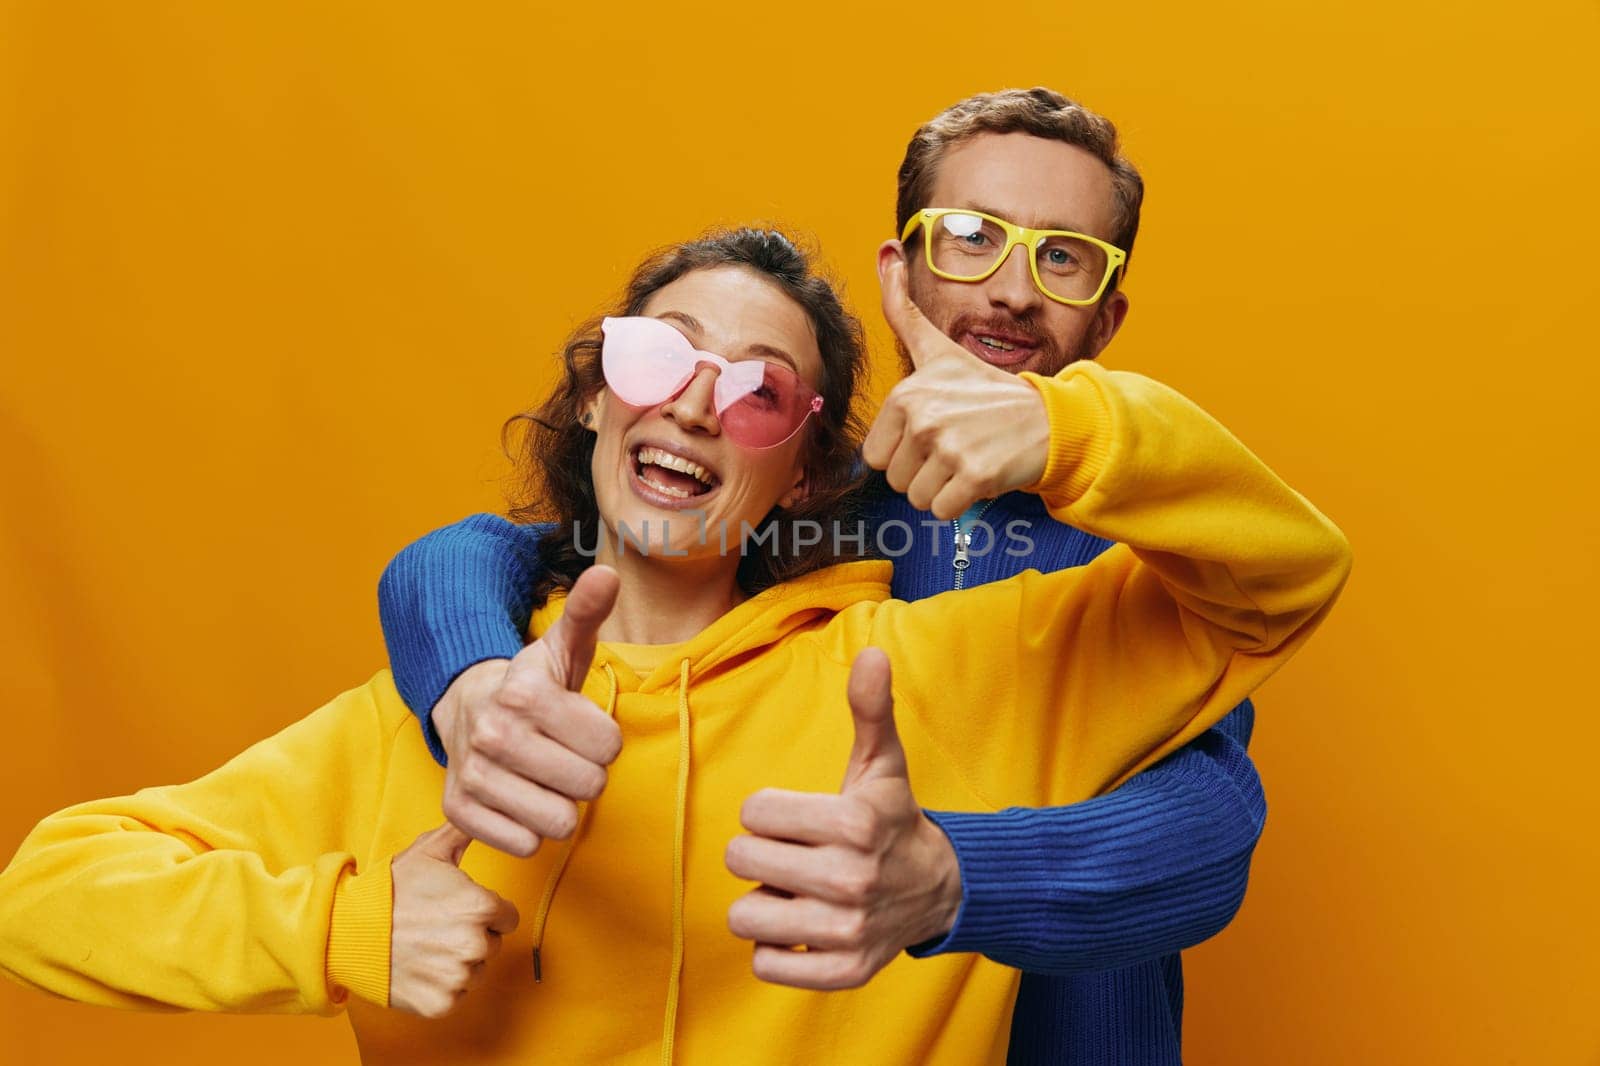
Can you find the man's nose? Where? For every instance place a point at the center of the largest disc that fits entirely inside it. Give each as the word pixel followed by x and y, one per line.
pixel 695 407
pixel 1011 285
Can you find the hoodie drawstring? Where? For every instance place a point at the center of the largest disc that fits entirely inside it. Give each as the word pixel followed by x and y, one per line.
pixel 542 915
pixel 669 1026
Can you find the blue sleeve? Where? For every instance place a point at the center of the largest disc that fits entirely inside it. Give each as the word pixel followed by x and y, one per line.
pixel 1154 867
pixel 456 597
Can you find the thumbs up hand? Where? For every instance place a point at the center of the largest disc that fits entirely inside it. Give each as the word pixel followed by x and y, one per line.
pixel 955 430
pixel 854 878
pixel 445 926
pixel 524 745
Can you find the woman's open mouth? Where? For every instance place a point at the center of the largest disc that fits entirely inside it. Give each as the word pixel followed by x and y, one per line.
pixel 670 480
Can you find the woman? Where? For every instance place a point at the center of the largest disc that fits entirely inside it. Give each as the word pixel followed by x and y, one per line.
pixel 717 400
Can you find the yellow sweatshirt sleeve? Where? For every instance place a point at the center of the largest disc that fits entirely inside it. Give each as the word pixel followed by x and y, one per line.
pixel 1050 688
pixel 241 891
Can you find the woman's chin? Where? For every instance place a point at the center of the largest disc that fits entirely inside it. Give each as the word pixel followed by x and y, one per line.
pixel 672 534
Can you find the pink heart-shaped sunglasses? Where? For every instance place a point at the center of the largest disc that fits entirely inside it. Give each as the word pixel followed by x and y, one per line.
pixel 759 403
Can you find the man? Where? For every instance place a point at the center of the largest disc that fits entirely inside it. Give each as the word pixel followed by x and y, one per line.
pixel 1015 213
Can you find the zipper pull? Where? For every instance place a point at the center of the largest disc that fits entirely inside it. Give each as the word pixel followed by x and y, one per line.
pixel 962 541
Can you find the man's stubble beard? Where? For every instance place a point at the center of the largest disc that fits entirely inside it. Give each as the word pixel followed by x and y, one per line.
pixel 1048 364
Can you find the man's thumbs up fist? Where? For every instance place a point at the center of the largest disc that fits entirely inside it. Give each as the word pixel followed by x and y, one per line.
pixel 854 878
pixel 955 430
pixel 524 745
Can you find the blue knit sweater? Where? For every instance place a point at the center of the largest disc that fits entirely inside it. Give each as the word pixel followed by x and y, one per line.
pixel 1092 901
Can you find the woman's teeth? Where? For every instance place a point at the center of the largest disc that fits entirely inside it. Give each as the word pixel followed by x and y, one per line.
pixel 654 457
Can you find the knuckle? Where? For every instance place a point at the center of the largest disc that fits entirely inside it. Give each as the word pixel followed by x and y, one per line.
pixel 764 964
pixel 947 450
pixel 850 929
pixel 854 970
pixel 519 690
pixel 484 908
pixel 859 826
pixel 923 430
pixel 851 884
pixel 613 742
pixel 736 855
pixel 591 782
pixel 486 732
pixel 870 828
pixel 561 821
pixel 463 943
pixel 755 807
pixel 540 712
pixel 968 481
pixel 470 777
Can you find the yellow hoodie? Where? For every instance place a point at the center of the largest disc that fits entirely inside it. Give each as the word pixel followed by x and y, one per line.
pixel 264 886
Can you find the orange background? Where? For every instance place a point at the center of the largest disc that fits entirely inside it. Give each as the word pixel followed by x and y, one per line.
pixel 271 275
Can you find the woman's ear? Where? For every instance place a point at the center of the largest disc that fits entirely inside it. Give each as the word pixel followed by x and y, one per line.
pixel 797 492
pixel 589 414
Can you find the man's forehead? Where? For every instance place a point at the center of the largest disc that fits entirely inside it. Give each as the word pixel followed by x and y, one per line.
pixel 1033 181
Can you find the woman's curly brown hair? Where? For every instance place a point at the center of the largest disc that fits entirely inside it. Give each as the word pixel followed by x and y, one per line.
pixel 555 453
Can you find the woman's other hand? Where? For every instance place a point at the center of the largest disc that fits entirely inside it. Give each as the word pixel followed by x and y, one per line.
pixel 446 926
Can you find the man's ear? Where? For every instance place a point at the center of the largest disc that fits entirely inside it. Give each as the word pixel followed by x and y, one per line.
pixel 797 492
pixel 889 251
pixel 1107 321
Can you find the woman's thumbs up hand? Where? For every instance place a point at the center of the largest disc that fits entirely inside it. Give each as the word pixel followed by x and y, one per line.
pixel 445 926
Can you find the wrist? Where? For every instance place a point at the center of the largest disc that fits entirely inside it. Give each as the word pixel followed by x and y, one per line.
pixel 446 714
pixel 1033 452
pixel 443 718
pixel 1078 431
pixel 945 896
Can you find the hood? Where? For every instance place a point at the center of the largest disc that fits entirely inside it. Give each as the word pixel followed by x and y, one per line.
pixel 763 620
pixel 750 628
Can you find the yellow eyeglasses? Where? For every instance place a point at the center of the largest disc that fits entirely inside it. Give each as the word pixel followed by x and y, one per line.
pixel 964 245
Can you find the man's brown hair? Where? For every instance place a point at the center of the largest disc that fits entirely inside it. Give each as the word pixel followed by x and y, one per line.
pixel 1041 112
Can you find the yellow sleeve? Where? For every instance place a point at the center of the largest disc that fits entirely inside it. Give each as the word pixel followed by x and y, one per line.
pixel 1050 688
pixel 241 891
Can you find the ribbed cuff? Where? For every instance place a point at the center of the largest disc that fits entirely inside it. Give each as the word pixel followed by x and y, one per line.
pixel 430 735
pixel 359 935
pixel 978 926
pixel 455 598
pixel 1080 433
